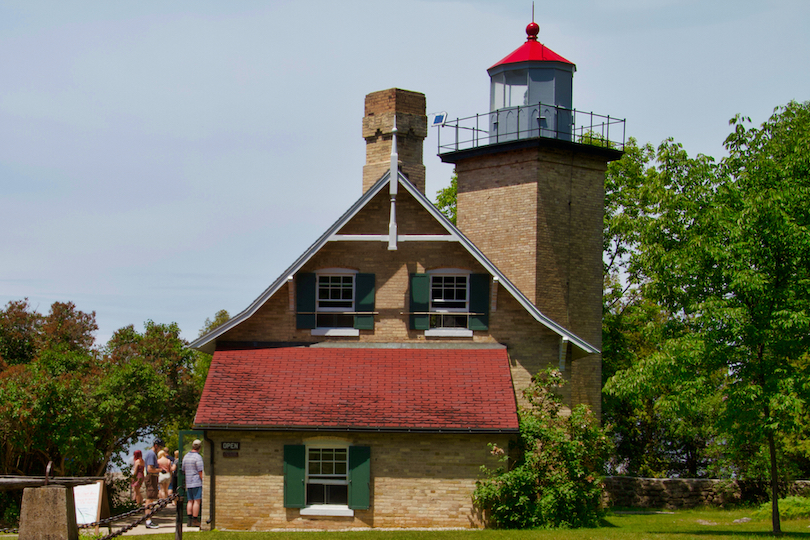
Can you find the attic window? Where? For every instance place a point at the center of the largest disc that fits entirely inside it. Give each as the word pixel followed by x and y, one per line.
pixel 335 302
pixel 449 302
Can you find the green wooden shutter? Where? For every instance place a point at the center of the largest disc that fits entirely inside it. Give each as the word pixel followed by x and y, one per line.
pixel 295 457
pixel 306 287
pixel 420 301
pixel 364 301
pixel 359 477
pixel 479 301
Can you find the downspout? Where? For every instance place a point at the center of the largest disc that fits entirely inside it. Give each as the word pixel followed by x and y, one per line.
pixel 212 519
pixel 563 352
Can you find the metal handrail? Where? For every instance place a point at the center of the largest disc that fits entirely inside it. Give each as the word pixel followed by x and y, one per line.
pixel 467 133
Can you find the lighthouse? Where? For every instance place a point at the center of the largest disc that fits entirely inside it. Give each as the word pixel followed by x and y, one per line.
pixel 531 196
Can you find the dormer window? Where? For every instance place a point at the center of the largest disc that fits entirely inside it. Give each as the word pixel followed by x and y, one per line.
pixel 335 302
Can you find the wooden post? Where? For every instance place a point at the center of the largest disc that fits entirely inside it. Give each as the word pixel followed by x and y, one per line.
pixel 178 523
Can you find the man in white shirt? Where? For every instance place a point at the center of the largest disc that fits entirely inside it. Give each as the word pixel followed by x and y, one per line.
pixel 193 471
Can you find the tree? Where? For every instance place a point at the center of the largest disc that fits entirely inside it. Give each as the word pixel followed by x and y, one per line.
pixel 446 199
pixel 220 318
pixel 19 328
pixel 729 251
pixel 204 359
pixel 554 480
pixel 63 400
pixel 657 430
pixel 202 363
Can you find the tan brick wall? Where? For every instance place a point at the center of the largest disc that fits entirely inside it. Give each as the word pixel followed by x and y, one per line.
pixel 380 109
pixel 412 218
pixel 537 214
pixel 417 480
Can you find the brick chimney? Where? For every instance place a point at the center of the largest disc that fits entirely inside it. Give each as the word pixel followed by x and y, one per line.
pixel 378 122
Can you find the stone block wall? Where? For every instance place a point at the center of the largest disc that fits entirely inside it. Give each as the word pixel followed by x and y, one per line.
pixel 674 493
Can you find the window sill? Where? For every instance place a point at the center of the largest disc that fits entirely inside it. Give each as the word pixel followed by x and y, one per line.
pixel 449 332
pixel 327 510
pixel 351 332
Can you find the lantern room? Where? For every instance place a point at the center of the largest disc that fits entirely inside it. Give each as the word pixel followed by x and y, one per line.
pixel 531 92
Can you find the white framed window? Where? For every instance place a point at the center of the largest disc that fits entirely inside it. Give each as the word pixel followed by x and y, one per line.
pixel 327 475
pixel 449 302
pixel 335 302
pixel 327 481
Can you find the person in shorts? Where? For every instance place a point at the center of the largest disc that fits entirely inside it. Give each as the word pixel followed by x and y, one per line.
pixel 193 471
pixel 152 471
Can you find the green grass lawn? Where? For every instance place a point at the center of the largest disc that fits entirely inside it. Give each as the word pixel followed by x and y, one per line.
pixel 705 524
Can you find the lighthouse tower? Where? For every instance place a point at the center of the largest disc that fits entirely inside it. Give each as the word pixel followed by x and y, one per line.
pixel 531 197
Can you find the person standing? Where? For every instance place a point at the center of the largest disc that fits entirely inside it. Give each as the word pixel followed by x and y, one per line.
pixel 193 471
pixel 175 463
pixel 137 476
pixel 152 471
pixel 165 475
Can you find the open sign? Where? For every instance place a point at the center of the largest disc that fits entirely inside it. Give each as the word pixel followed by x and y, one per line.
pixel 230 446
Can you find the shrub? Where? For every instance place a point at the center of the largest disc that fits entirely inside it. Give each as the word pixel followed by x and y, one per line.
pixel 554 480
pixel 789 508
pixel 10 508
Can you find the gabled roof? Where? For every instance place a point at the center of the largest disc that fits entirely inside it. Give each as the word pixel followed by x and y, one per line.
pixel 375 388
pixel 207 342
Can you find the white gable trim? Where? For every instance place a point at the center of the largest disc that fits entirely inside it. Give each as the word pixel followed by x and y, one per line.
pixel 207 342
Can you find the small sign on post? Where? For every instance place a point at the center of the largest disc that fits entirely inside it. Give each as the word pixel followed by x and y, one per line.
pixel 91 503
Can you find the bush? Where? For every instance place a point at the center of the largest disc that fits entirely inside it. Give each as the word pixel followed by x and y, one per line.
pixel 554 480
pixel 10 502
pixel 789 508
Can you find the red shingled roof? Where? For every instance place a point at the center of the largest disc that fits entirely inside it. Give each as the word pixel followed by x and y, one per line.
pixel 362 388
pixel 532 51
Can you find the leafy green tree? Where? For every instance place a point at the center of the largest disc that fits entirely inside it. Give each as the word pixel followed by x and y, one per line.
pixel 202 363
pixel 63 400
pixel 554 480
pixel 19 329
pixel 655 431
pixel 446 199
pixel 220 318
pixel 730 253
pixel 203 359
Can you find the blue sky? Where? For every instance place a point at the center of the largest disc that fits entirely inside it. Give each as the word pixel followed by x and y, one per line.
pixel 166 160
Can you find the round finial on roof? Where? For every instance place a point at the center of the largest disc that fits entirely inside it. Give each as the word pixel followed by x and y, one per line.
pixel 532 30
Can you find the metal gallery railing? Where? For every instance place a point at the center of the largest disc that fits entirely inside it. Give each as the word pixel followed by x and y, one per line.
pixel 530 121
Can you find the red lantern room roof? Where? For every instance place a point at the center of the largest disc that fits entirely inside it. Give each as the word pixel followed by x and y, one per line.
pixel 532 50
